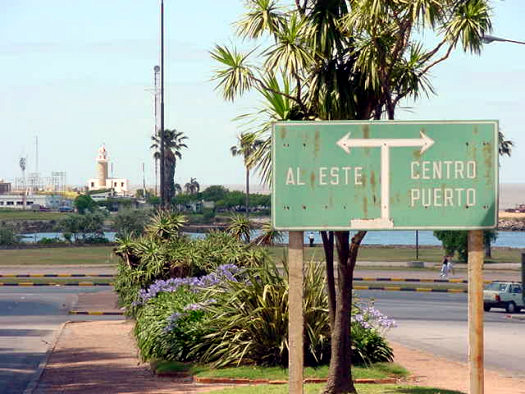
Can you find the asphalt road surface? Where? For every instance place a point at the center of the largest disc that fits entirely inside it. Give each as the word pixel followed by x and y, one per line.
pixel 438 323
pixel 29 320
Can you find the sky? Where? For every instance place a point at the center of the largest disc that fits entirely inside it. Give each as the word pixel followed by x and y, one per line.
pixel 77 74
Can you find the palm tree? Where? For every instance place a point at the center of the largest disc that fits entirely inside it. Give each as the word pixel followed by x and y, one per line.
pixel 174 142
pixel 344 59
pixel 247 145
pixel 178 188
pixel 504 146
pixel 192 187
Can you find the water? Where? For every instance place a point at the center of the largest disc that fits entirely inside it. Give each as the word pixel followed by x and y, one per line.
pixel 511 239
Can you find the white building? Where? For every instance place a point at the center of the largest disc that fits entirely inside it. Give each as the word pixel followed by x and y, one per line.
pixel 119 185
pixel 16 201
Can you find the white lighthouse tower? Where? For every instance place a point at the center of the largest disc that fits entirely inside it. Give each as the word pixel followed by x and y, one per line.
pixel 118 186
pixel 102 167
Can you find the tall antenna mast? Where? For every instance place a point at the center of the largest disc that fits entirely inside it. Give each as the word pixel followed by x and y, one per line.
pixel 36 154
pixel 143 180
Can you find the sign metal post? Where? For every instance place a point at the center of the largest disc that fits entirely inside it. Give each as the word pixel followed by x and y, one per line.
pixel 295 312
pixel 475 311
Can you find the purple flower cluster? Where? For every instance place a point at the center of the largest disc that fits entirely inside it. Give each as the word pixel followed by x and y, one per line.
pixel 222 273
pixel 369 317
pixel 172 321
pixel 199 305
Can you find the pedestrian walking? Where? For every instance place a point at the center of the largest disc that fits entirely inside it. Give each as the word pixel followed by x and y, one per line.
pixel 444 267
pixel 450 266
pixel 311 239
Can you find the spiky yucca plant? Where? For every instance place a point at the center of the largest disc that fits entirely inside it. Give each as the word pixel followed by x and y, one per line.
pixel 249 322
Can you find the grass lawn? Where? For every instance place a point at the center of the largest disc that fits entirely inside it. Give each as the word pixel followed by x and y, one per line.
pixel 401 253
pixel 318 388
pixel 53 256
pixel 103 255
pixel 376 371
pixel 16 214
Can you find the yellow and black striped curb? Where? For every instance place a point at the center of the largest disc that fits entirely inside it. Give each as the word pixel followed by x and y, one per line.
pixel 420 280
pixel 418 289
pixel 96 313
pixel 37 284
pixel 57 276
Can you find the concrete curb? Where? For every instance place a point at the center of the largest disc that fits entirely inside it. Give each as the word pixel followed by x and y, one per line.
pixel 230 381
pixel 456 281
pixel 96 313
pixel 516 317
pixel 417 289
pixel 42 365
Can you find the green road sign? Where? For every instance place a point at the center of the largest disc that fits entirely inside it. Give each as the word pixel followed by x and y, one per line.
pixel 384 175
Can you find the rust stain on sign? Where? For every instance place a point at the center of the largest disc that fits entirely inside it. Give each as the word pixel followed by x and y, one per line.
pixel 312 179
pixel 317 142
pixel 282 132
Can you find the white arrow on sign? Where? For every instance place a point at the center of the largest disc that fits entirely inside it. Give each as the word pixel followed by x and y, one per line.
pixel 385 144
pixel 346 142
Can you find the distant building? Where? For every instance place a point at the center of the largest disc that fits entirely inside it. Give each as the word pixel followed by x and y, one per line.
pixel 5 187
pixel 119 186
pixel 33 201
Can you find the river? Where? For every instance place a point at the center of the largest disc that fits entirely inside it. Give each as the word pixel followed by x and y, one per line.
pixel 510 239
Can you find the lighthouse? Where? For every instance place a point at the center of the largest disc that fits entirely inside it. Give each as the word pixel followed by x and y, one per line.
pixel 102 167
pixel 117 186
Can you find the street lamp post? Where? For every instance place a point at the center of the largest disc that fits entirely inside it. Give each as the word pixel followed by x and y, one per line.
pixel 163 196
pixel 487 39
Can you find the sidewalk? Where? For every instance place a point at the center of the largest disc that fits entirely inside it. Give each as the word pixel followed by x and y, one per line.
pixel 101 357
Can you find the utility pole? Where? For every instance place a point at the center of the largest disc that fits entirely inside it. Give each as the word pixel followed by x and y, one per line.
pixel 163 202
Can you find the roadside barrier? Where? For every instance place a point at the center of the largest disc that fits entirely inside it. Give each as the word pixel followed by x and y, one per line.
pixel 36 284
pixel 96 313
pixel 57 276
pixel 417 289
pixel 365 279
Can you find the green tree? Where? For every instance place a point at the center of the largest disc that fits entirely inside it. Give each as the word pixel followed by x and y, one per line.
pixel 8 236
pixel 174 142
pixel 247 145
pixel 343 59
pixel 131 221
pixel 214 193
pixel 82 227
pixel 457 241
pixel 85 203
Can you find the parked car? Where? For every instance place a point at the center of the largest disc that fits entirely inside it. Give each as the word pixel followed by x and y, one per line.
pixel 506 295
pixel 65 209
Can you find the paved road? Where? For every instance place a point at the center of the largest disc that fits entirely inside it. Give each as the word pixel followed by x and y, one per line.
pixel 438 323
pixel 29 320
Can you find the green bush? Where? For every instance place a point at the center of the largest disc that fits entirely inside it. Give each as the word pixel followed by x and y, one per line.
pixel 131 221
pixel 50 241
pixel 8 236
pixel 156 337
pixel 208 214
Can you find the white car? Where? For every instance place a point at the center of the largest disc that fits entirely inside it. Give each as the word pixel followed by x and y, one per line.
pixel 507 295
